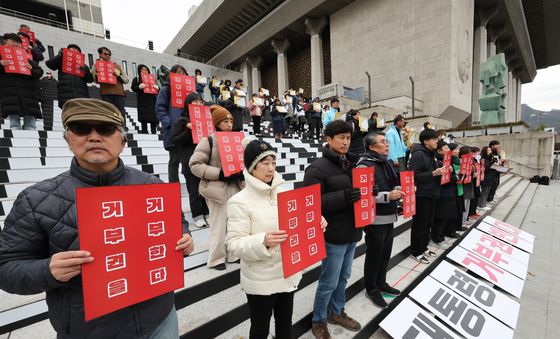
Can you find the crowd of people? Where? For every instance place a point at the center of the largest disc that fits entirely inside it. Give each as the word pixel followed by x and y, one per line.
pixel 39 244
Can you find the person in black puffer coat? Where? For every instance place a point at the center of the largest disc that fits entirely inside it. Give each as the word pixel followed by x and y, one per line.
pixel 236 112
pixel 333 172
pixel 40 245
pixel 447 213
pixel 181 136
pixel 146 103
pixel 70 86
pixel 427 177
pixel 19 95
pixel 357 139
pixel 379 235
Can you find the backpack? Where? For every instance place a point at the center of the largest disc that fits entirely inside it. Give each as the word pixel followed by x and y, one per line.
pixel 544 180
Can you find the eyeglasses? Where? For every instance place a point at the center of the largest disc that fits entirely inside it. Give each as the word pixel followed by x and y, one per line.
pixel 81 129
pixel 105 53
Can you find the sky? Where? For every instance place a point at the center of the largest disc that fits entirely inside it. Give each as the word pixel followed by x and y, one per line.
pixel 134 22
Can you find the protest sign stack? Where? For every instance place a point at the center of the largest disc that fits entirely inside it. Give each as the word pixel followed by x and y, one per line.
pixel 475 294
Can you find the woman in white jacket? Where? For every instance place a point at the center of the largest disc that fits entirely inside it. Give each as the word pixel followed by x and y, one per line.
pixel 254 237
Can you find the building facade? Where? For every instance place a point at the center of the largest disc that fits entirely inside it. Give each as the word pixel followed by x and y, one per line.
pixel 437 45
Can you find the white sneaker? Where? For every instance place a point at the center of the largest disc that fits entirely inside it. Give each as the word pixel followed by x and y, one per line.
pixel 442 245
pixel 421 258
pixel 484 208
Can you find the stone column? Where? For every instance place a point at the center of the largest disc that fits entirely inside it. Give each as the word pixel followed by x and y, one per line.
pixel 510 110
pixel 479 57
pixel 255 62
pixel 518 100
pixel 493 34
pixel 313 27
pixel 280 47
pixel 246 71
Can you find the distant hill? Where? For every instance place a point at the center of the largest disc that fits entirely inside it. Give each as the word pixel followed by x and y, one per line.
pixel 548 119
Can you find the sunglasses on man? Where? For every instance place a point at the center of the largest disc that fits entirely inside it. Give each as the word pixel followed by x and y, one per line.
pixel 83 129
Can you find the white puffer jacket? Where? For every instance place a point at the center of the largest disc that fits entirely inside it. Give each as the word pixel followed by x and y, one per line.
pixel 251 213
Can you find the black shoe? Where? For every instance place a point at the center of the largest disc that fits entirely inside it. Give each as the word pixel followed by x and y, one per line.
pixel 238 261
pixel 377 298
pixel 390 290
pixel 454 235
pixel 219 267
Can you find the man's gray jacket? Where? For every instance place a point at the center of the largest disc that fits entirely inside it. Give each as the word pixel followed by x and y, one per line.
pixel 43 222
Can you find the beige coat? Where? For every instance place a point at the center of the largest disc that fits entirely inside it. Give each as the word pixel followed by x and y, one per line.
pixel 207 167
pixel 251 213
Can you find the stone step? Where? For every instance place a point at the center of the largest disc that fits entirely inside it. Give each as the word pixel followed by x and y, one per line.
pixel 517 215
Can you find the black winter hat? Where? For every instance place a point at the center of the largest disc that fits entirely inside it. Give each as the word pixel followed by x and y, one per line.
pixel 74 46
pixel 255 151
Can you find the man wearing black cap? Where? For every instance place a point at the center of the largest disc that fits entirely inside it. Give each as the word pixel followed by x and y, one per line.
pixel 39 245
pixel 70 86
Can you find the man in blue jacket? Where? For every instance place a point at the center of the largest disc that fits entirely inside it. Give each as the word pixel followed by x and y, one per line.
pixel 330 115
pixel 397 148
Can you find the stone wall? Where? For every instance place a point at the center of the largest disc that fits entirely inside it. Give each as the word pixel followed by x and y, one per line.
pixel 59 38
pixel 530 153
pixel 392 40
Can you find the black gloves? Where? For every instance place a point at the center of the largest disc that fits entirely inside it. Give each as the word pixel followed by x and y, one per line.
pixel 231 178
pixel 352 195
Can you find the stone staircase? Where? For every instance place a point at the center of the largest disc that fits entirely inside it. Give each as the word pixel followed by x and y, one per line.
pixel 212 303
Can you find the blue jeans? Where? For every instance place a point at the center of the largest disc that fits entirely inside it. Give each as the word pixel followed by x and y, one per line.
pixel 335 271
pixel 169 327
pixel 28 122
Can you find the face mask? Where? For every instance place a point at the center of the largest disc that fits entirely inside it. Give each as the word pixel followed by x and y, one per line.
pixel 477 157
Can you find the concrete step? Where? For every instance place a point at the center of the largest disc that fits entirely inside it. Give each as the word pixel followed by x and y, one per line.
pixel 517 215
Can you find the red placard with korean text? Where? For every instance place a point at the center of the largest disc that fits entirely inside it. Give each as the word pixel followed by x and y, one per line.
pixel 409 199
pixel 446 177
pixel 201 122
pixel 18 58
pixel 30 33
pixel 131 232
pixel 299 214
pixel 105 72
pixel 465 169
pixel 364 209
pixel 231 151
pixel 149 80
pixel 478 173
pixel 180 86
pixel 72 61
pixel 26 46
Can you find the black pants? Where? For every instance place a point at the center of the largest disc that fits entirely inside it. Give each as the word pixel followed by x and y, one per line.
pixel 153 126
pixel 493 188
pixel 472 207
pixel 118 101
pixel 256 124
pixel 315 127
pixel 173 165
pixel 438 229
pixel 196 201
pixel 261 307
pixel 421 223
pixel 379 243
